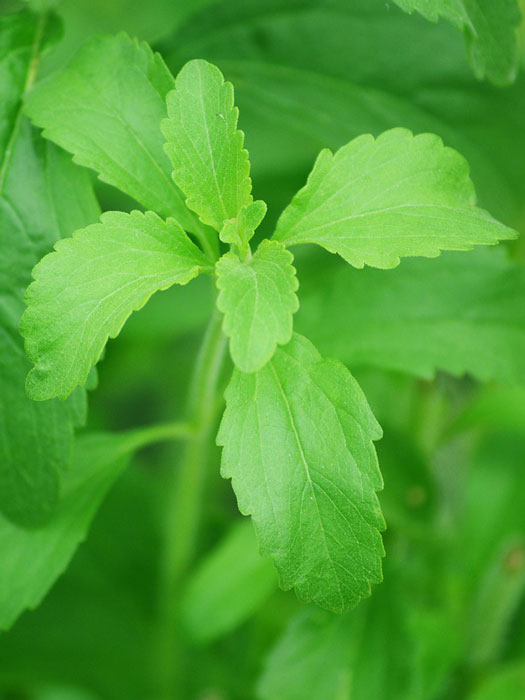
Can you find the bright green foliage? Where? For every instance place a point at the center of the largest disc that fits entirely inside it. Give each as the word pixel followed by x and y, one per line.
pixel 210 164
pixel 459 313
pixel 377 200
pixel 229 585
pixel 297 440
pixel 489 26
pixel 239 230
pixel 258 300
pixel 42 197
pixel 33 559
pixel 105 108
pixel 330 71
pixel 85 290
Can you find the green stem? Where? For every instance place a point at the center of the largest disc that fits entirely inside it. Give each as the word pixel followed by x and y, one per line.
pixel 161 432
pixel 184 502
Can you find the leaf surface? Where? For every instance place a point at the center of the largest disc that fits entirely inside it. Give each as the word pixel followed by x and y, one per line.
pixel 42 197
pixel 459 313
pixel 105 107
pixel 377 200
pixel 297 438
pixel 228 586
pixel 258 300
pixel 348 656
pixel 490 28
pixel 206 149
pixel 85 290
pixel 33 559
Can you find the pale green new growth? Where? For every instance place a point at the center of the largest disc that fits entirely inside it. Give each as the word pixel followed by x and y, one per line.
pixel 490 28
pixel 297 440
pixel 258 300
pixel 239 230
pixel 210 163
pixel 377 200
pixel 84 292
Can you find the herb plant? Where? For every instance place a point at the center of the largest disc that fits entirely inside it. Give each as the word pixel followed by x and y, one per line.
pixel 295 428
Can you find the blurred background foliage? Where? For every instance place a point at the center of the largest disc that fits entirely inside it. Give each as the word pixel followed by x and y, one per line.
pixel 448 623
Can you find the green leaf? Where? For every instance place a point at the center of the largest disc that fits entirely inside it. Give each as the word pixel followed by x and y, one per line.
pixel 297 438
pixel 313 658
pixel 258 300
pixel 366 653
pixel 377 200
pixel 490 28
pixel 210 164
pixel 105 108
pixel 33 559
pixel 302 94
pixel 459 313
pixel 84 292
pixel 228 586
pixel 508 682
pixel 239 230
pixel 42 196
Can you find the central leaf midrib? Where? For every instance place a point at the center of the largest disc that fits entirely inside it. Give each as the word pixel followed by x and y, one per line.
pixel 308 477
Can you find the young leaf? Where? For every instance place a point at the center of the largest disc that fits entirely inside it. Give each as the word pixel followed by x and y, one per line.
pixel 32 560
pixel 228 586
pixel 210 164
pixel 490 29
pixel 239 230
pixel 459 313
pixel 42 195
pixel 376 200
pixel 297 438
pixel 258 300
pixel 84 292
pixel 105 108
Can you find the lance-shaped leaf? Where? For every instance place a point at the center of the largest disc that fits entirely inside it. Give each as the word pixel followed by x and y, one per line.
pixel 210 164
pixel 297 438
pixel 377 200
pixel 106 108
pixel 33 559
pixel 239 230
pixel 490 29
pixel 228 586
pixel 258 300
pixel 43 195
pixel 85 290
pixel 459 313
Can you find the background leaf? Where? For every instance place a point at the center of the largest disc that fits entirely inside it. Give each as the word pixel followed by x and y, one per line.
pixel 459 313
pixel 490 31
pixel 46 552
pixel 228 586
pixel 42 197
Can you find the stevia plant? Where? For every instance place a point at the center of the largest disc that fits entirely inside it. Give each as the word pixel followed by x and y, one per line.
pixel 297 433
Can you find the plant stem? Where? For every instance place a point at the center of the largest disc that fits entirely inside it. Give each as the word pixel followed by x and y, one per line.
pixel 143 437
pixel 184 501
